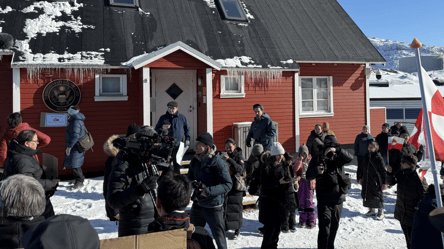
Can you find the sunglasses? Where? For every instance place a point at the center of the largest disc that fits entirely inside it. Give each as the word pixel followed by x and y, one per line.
pixel 171 108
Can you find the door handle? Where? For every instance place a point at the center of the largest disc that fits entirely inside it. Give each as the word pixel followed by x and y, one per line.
pixel 191 109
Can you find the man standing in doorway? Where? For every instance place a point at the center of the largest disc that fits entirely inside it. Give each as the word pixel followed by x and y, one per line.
pixel 262 129
pixel 179 129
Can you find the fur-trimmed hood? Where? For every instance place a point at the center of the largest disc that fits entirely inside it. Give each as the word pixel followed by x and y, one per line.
pixel 108 146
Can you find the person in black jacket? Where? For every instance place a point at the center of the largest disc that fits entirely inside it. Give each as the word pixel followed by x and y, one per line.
pixel 16 192
pixel 382 139
pixel 424 234
pixel 395 129
pixel 252 166
pixel 410 191
pixel 327 168
pixel 131 190
pixel 315 140
pixel 174 193
pixel 372 178
pixel 233 202
pixel 21 160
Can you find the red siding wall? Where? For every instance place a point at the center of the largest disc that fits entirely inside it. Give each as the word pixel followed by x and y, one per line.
pixel 348 100
pixel 276 97
pixel 5 91
pixel 377 119
pixel 103 119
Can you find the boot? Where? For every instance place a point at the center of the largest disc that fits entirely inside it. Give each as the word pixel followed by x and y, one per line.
pixel 380 215
pixel 371 212
pixel 236 234
pixel 77 185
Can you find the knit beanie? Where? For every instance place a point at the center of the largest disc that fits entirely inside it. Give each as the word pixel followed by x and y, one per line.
pixel 257 149
pixel 72 111
pixel 403 130
pixel 206 138
pixel 386 125
pixel 277 149
pixel 303 148
pixel 366 126
pixel 436 217
pixel 132 128
pixel 173 104
pixel 325 124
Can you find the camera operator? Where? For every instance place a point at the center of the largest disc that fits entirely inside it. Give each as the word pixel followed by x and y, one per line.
pixel 133 182
pixel 327 169
pixel 211 182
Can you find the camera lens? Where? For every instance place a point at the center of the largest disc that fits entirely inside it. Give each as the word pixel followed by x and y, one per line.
pixel 330 154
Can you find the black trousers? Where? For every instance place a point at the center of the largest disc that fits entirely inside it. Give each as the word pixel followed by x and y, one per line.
pixel 271 218
pixel 328 216
pixel 408 235
pixel 289 220
pixel 78 174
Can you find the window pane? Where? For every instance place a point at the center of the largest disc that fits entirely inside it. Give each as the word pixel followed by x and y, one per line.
pixel 321 83
pixel 322 105
pixel 322 93
pixel 232 9
pixel 132 2
pixel 307 82
pixel 307 106
pixel 111 85
pixel 395 113
pixel 412 113
pixel 307 94
pixel 232 84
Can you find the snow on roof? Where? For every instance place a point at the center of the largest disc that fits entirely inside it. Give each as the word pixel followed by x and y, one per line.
pixel 238 61
pixel 6 10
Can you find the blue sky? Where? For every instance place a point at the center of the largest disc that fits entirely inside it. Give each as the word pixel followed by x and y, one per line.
pixel 399 20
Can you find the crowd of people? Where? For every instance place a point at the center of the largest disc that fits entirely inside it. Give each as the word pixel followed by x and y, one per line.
pixel 141 200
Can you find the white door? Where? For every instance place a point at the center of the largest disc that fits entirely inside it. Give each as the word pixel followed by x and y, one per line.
pixel 180 86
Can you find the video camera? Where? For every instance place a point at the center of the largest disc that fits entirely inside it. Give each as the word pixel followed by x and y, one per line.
pixel 322 158
pixel 197 192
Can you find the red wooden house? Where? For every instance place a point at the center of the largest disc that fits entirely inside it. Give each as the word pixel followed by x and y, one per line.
pixel 304 61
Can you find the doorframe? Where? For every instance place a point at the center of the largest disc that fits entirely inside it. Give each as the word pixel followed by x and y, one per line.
pixel 154 98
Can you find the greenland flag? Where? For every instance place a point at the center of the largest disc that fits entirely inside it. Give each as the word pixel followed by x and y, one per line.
pixel 395 143
pixel 435 107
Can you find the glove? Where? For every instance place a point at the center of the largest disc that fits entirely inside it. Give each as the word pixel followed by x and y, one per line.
pixel 149 183
pixel 248 143
pixel 68 151
pixel 187 143
pixel 55 182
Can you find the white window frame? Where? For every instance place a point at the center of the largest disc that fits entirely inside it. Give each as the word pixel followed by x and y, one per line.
pixel 115 97
pixel 305 114
pixel 232 94
pixel 136 3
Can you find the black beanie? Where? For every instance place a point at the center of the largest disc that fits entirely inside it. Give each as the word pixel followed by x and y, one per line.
pixel 206 138
pixel 386 125
pixel 173 104
pixel 132 129
pixel 403 130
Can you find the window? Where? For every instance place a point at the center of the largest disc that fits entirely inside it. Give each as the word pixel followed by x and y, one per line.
pixel 126 3
pixel 232 10
pixel 396 114
pixel 412 113
pixel 111 87
pixel 316 96
pixel 232 86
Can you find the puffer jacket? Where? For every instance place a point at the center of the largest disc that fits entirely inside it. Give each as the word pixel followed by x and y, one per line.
pixel 262 131
pixel 410 191
pixel 111 161
pixel 361 143
pixel 315 140
pixel 213 172
pixel 233 203
pixel 373 174
pixel 382 139
pixel 11 133
pixel 12 230
pixel 74 131
pixel 395 160
pixel 136 208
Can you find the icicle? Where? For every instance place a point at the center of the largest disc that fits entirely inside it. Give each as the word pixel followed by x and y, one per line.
pixel 266 75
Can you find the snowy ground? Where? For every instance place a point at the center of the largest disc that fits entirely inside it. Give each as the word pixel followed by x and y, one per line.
pixel 355 230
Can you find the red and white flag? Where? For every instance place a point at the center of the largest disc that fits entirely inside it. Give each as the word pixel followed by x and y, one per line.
pixel 435 107
pixel 395 143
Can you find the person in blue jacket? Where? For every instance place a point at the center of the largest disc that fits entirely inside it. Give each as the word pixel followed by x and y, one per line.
pixel 361 145
pixel 211 179
pixel 178 128
pixel 262 129
pixel 73 158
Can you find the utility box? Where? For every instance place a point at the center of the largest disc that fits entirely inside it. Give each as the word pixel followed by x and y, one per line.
pixel 240 133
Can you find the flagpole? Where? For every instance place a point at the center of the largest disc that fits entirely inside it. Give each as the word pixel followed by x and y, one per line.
pixel 416 45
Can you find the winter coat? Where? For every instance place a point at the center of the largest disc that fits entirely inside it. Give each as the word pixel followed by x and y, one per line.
pixel 327 186
pixel 11 133
pixel 12 230
pixel 136 208
pixel 233 203
pixel 179 126
pixel 410 191
pixel 361 143
pixel 382 140
pixel 395 160
pixel 213 172
pixel 262 131
pixel 22 160
pixel 372 173
pixel 298 168
pixel 176 220
pixel 74 131
pixel 112 152
pixel 424 234
pixel 394 130
pixel 313 141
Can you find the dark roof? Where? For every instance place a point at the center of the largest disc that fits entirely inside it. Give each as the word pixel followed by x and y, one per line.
pixel 278 30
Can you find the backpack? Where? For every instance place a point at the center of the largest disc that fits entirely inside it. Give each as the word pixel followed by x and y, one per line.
pixel 191 243
pixel 85 143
